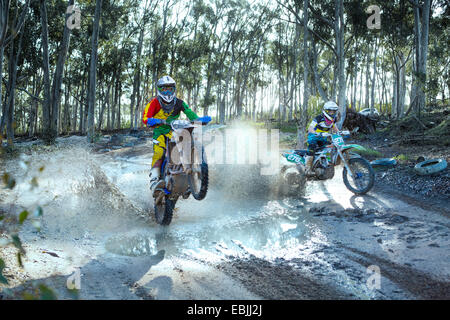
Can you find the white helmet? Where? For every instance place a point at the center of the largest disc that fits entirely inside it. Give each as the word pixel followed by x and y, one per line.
pixel 166 88
pixel 330 110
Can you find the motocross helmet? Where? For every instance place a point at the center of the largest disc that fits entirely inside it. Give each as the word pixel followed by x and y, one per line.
pixel 330 110
pixel 166 90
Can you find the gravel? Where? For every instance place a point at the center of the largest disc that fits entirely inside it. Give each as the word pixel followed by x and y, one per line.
pixel 404 178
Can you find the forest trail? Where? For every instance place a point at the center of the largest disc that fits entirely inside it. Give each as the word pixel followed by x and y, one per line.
pixel 98 224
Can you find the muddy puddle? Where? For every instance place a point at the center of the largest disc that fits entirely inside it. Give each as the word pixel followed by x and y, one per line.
pixel 256 226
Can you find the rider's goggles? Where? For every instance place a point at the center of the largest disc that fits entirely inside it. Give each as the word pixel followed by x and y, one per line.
pixel 331 112
pixel 166 90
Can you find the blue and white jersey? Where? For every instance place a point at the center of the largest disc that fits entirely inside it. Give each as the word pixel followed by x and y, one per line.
pixel 320 125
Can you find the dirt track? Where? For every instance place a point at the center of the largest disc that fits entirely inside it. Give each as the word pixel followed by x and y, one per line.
pixel 238 243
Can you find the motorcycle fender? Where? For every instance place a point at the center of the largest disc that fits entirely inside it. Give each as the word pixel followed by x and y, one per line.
pixel 353 146
pixel 350 155
pixel 353 155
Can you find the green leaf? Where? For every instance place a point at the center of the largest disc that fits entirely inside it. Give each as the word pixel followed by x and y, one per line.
pixel 23 216
pixel 47 293
pixel 17 243
pixel 2 278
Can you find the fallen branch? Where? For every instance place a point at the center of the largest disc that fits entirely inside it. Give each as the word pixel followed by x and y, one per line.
pixel 411 105
pixel 420 122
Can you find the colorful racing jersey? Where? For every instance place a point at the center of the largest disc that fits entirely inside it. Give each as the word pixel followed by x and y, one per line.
pixel 320 124
pixel 154 110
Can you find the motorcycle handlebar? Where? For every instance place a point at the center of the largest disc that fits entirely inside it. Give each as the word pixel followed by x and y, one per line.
pixel 163 121
pixel 342 133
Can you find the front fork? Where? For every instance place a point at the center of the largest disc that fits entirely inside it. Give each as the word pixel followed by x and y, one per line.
pixel 350 173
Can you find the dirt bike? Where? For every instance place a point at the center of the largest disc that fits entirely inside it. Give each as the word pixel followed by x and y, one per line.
pixel 184 171
pixel 358 169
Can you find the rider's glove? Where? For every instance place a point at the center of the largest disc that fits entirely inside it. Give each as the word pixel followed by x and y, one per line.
pixel 153 122
pixel 205 119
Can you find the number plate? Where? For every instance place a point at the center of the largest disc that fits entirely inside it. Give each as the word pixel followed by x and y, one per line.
pixel 295 158
pixel 338 140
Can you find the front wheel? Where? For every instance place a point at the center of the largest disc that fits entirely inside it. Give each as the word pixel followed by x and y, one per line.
pixel 198 178
pixel 363 176
pixel 164 211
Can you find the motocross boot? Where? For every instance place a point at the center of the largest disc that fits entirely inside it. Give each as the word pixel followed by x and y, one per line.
pixel 154 178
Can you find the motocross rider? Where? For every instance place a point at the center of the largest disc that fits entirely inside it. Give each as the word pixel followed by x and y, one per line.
pixel 165 106
pixel 323 123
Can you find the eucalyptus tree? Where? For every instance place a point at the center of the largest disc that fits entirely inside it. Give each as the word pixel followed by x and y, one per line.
pixel 93 71
pixel 438 66
pixel 20 14
pixel 249 46
pixel 59 71
pixel 422 13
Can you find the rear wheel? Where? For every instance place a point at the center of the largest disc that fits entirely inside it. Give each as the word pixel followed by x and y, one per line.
pixel 198 178
pixel 363 176
pixel 164 211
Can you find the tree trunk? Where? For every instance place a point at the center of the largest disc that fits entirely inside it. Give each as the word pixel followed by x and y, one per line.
pixel 13 59
pixel 339 29
pixel 134 105
pixel 367 96
pixel 93 72
pixel 57 79
pixel 32 112
pixel 301 126
pixel 119 106
pixel 46 113
pixel 317 78
pixel 421 28
pixel 75 113
pixel 4 17
pixel 2 120
pixel 104 104
pixel 360 90
pixel 83 107
pixel 401 85
pixel 66 115
pixel 108 101
pixel 115 103
pixel 355 84
pixel 395 92
pixel 372 93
